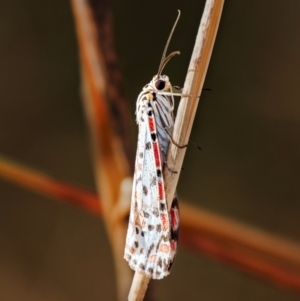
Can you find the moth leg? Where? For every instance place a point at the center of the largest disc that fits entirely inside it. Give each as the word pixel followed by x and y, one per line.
pixel 181 146
pixel 169 169
pixel 178 88
pixel 195 144
pixel 172 140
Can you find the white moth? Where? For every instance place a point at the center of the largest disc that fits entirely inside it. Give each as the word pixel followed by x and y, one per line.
pixel 152 235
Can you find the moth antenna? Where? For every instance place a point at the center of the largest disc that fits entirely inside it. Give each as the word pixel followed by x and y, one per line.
pixel 164 60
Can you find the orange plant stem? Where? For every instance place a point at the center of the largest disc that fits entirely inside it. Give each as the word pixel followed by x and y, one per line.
pixel 39 182
pixel 251 250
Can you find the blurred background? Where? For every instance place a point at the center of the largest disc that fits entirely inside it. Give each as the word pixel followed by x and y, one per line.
pixel 248 128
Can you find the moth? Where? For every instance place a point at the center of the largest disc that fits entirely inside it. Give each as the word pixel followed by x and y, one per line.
pixel 153 229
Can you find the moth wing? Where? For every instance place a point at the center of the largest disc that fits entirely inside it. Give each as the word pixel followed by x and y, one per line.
pixel 148 242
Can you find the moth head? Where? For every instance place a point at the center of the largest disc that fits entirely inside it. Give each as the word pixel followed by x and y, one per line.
pixel 161 82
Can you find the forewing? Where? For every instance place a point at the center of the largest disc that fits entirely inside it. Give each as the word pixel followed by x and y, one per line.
pixel 148 244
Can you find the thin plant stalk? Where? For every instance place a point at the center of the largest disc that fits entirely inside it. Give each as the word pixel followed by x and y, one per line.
pixel 185 115
pixel 108 122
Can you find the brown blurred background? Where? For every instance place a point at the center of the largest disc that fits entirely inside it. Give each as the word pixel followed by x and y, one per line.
pixel 248 128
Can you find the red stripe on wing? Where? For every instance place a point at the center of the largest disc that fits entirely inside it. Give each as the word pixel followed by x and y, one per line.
pixel 164 221
pixel 156 154
pixel 151 124
pixel 161 191
pixel 174 218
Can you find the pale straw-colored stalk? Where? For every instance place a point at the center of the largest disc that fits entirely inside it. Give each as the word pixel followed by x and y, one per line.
pixel 108 122
pixel 186 113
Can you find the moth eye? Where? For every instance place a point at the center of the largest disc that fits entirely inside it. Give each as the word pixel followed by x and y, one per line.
pixel 160 84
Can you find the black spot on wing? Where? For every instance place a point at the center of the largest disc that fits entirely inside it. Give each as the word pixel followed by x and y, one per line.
pixel 170 265
pixel 139 179
pixel 150 227
pixel 166 266
pixel 150 250
pixel 162 207
pixel 148 145
pixel 145 190
pixel 142 267
pixel 174 235
pixel 159 262
pixel 155 212
pixel 166 237
pixel 175 202
pixel 153 137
